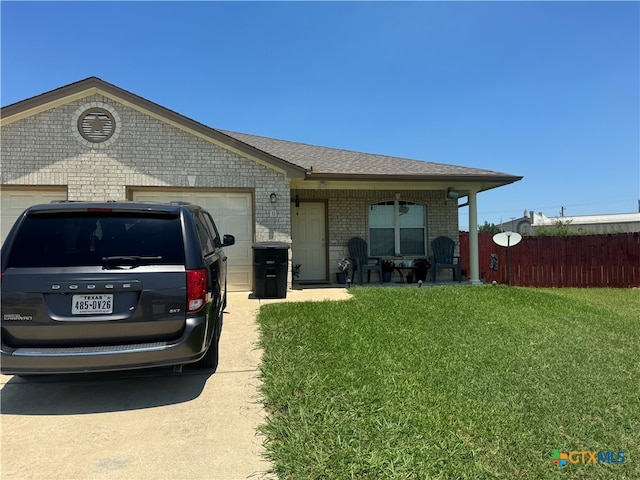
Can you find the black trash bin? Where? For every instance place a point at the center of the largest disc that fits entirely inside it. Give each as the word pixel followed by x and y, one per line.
pixel 270 265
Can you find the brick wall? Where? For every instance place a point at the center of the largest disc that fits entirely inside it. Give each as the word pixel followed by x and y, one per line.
pixel 348 215
pixel 46 149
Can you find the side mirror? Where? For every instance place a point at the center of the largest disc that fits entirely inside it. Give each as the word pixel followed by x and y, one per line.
pixel 228 240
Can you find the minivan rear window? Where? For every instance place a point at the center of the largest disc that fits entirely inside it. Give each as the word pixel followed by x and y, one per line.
pixel 71 239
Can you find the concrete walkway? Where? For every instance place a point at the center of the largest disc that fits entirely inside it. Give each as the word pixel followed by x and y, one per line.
pixel 146 424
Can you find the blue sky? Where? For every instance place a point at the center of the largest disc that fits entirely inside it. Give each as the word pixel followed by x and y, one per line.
pixel 546 90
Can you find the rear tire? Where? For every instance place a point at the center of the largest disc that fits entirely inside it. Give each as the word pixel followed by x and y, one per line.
pixel 210 359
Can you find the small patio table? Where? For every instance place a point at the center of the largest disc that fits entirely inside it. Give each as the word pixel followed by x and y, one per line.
pixel 399 269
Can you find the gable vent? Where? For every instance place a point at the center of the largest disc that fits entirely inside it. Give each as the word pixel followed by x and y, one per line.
pixel 96 125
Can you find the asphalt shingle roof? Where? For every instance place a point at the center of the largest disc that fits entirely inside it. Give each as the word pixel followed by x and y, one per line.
pixel 325 160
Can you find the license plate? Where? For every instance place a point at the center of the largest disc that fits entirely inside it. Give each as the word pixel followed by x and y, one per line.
pixel 92 304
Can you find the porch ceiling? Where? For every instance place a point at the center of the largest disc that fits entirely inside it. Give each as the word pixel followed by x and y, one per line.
pixel 461 185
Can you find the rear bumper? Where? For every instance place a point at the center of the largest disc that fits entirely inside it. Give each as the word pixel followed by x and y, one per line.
pixel 36 361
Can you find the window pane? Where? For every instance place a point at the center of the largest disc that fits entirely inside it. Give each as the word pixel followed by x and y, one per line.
pixel 382 241
pixel 412 241
pixel 411 215
pixel 206 242
pixel 381 215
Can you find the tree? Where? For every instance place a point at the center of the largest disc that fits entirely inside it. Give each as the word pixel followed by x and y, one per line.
pixel 558 229
pixel 489 228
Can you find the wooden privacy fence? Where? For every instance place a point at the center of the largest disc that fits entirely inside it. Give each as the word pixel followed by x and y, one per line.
pixel 611 260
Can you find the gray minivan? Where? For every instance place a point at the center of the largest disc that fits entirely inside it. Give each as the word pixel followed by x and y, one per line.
pixel 111 286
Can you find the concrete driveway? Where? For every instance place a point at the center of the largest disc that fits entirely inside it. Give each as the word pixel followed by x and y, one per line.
pixel 147 424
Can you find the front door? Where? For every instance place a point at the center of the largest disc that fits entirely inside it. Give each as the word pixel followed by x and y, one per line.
pixel 308 237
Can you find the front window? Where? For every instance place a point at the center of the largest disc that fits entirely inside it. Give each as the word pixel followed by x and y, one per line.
pixel 397 228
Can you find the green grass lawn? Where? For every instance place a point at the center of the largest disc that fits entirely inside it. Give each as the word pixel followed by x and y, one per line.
pixel 453 382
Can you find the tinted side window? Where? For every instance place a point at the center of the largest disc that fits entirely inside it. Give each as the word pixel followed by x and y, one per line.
pixel 83 239
pixel 214 231
pixel 206 241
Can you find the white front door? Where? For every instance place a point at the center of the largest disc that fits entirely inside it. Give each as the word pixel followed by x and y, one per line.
pixel 308 238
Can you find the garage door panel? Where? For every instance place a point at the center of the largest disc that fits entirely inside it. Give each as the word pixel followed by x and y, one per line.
pixel 240 205
pixel 242 253
pixel 236 226
pixel 14 201
pixel 212 203
pixel 158 199
pixel 240 275
pixel 233 214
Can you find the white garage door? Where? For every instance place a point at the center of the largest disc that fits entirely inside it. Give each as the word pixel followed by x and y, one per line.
pixel 14 200
pixel 233 214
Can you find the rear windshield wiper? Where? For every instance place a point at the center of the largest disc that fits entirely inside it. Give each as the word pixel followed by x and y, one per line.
pixel 128 261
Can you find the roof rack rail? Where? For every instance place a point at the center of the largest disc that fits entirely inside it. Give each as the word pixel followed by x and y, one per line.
pixel 179 202
pixel 80 201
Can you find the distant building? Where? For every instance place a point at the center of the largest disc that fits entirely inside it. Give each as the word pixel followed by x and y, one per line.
pixel 605 223
pixel 520 225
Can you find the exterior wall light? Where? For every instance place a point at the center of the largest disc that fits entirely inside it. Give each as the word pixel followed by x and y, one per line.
pixel 452 194
pixel 273 197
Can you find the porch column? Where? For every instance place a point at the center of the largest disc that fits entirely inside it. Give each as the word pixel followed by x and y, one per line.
pixel 474 270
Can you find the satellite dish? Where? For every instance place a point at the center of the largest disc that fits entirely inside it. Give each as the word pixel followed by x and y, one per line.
pixel 507 239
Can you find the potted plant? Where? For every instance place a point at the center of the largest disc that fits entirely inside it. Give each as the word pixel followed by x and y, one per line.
pixel 343 270
pixel 420 268
pixel 295 271
pixel 387 269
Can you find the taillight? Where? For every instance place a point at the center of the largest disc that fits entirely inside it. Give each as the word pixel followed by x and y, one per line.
pixel 196 289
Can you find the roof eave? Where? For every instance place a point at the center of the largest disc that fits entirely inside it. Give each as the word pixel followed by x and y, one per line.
pixel 501 179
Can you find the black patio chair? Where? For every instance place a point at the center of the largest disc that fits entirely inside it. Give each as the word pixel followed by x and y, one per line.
pixel 443 249
pixel 359 254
